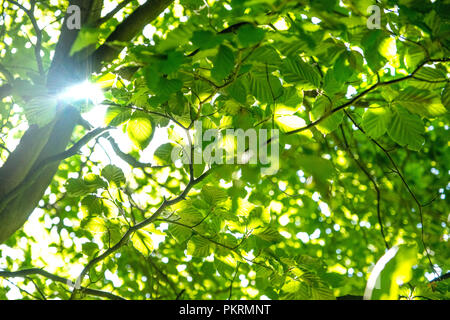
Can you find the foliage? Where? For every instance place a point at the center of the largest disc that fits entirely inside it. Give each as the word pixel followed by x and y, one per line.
pixel 364 161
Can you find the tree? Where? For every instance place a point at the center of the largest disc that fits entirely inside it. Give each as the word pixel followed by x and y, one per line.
pixel 150 208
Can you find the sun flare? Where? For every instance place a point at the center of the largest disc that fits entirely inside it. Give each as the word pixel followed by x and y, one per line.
pixel 83 91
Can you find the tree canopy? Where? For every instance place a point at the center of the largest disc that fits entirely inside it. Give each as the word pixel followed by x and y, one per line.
pixel 100 103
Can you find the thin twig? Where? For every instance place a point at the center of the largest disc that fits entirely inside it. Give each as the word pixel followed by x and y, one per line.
pixel 372 180
pixel 129 158
pixel 402 178
pixel 232 280
pixel 140 225
pixel 360 95
pixel 38 46
pixel 111 14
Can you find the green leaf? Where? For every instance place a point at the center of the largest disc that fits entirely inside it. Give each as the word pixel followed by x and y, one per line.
pixel 176 38
pixel 115 116
pixel 94 182
pixel 322 169
pixel 231 107
pixel 113 174
pixel 172 63
pixel 330 84
pixel 388 93
pixel 92 204
pixel 321 107
pixel 86 37
pixel 193 4
pixel 205 39
pixel 140 130
pixel 445 96
pixel 180 233
pixel 238 91
pixel 189 215
pixel 78 188
pixel 265 55
pixel 414 56
pixel 376 120
pixel 223 63
pixel 371 43
pixel 142 242
pixel 269 234
pixel 430 74
pixel 343 69
pixel 168 86
pixel 40 110
pixel 140 97
pixel 322 293
pixel 422 102
pixel 96 225
pixel 223 268
pixel 295 70
pixel 406 129
pixel 249 35
pixel 89 248
pixel 213 195
pixel 163 153
pixel 177 103
pixel 295 290
pixel 336 280
pixel 292 97
pixel 265 87
pixel 198 247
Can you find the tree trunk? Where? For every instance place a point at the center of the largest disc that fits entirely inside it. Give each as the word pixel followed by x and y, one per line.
pixel 38 144
pixel 57 136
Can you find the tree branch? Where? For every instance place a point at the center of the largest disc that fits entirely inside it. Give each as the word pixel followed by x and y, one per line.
pixel 5 148
pixel 142 224
pixel 441 278
pixel 111 14
pixel 127 30
pixel 77 146
pixel 362 94
pixel 129 158
pixel 36 271
pixel 35 173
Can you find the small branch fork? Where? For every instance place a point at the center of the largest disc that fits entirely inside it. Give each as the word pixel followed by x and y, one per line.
pixel 111 14
pixel 372 180
pixel 166 203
